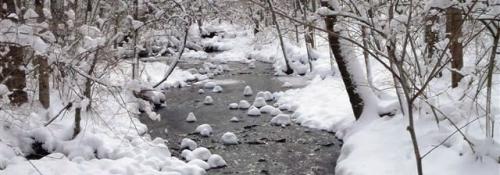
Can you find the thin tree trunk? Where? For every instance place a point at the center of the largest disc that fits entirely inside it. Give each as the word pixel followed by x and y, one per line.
pixel 357 102
pixel 454 32
pixel 78 118
pixel 43 65
pixel 288 70
pixel 490 123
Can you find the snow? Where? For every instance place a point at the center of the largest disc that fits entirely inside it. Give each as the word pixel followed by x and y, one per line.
pixel 253 111
pixel 208 100
pixel 216 161
pixel 267 109
pixel 201 153
pixel 229 138
pixel 204 130
pixel 244 104
pixel 281 120
pixel 201 91
pixel 209 85
pixel 188 143
pixel 247 91
pixel 259 102
pixel 275 112
pixel 191 117
pixel 233 106
pixel 217 89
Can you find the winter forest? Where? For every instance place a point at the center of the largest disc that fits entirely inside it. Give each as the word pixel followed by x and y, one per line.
pixel 278 87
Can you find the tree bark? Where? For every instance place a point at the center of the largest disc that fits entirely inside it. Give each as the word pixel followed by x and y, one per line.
pixel 454 32
pixel 288 70
pixel 43 65
pixel 357 102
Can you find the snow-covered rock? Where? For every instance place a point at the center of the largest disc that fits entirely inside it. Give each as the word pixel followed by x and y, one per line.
pixel 217 89
pixel 268 96
pixel 284 107
pixel 216 161
pixel 234 119
pixel 267 109
pixel 199 163
pixel 165 131
pixel 275 112
pixel 247 91
pixel 287 84
pixel 233 106
pixel 204 130
pixel 229 138
pixel 259 102
pixel 244 104
pixel 281 120
pixel 261 94
pixel 208 100
pixel 251 65
pixel 191 118
pixel 201 91
pixel 187 154
pixel 253 111
pixel 209 85
pixel 188 143
pixel 201 153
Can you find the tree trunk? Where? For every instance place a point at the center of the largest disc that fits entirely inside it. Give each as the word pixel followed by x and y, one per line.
pixel 357 102
pixel 43 65
pixel 288 70
pixel 454 32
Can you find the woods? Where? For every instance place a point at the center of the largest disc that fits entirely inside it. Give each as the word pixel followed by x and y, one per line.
pixel 73 71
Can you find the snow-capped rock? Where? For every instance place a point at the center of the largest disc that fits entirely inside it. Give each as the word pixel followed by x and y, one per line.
pixel 281 120
pixel 209 85
pixel 204 130
pixel 247 91
pixel 287 84
pixel 267 109
pixel 188 143
pixel 199 163
pixel 234 119
pixel 216 161
pixel 217 89
pixel 187 154
pixel 208 100
pixel 233 106
pixel 251 65
pixel 229 138
pixel 268 96
pixel 201 153
pixel 191 118
pixel 259 102
pixel 275 112
pixel 244 104
pixel 165 131
pixel 253 111
pixel 284 107
pixel 261 94
pixel 201 91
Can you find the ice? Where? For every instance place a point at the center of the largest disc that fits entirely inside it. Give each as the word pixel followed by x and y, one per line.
pixel 199 163
pixel 234 119
pixel 233 106
pixel 229 138
pixel 188 143
pixel 253 111
pixel 216 161
pixel 244 104
pixel 204 130
pixel 209 85
pixel 267 109
pixel 191 118
pixel 247 91
pixel 259 102
pixel 208 100
pixel 201 91
pixel 217 89
pixel 281 120
pixel 201 153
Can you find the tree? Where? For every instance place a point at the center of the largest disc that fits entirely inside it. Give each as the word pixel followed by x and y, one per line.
pixel 453 33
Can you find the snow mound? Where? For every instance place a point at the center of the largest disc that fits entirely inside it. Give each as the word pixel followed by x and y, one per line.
pixel 229 138
pixel 275 112
pixel 267 109
pixel 244 104
pixel 216 161
pixel 259 102
pixel 191 118
pixel 209 85
pixel 208 100
pixel 217 89
pixel 201 91
pixel 201 153
pixel 233 106
pixel 247 91
pixel 281 120
pixel 204 130
pixel 199 163
pixel 253 111
pixel 188 143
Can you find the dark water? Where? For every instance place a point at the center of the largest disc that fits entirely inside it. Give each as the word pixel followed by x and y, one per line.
pixel 264 149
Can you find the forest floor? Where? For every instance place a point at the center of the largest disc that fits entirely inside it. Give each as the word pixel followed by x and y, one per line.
pixel 263 148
